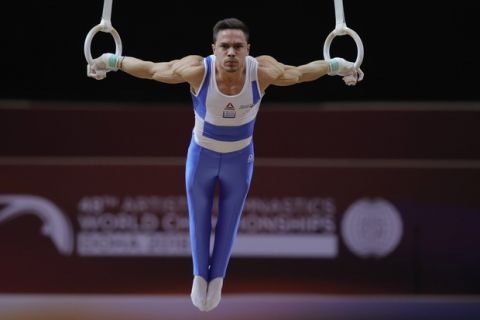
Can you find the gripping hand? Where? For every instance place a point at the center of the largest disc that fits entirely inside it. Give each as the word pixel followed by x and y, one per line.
pixel 105 63
pixel 346 69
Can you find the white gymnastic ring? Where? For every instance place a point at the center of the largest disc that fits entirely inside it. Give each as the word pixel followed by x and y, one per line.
pixel 351 33
pixel 91 34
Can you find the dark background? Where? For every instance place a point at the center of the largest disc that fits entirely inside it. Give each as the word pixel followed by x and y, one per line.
pixel 414 50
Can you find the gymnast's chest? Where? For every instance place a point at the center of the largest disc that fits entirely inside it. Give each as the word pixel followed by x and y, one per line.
pixel 230 107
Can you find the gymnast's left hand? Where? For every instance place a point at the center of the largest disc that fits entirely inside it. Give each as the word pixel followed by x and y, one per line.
pixel 345 69
pixel 100 66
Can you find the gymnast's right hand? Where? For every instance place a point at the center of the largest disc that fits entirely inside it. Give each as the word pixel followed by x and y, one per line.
pixel 105 63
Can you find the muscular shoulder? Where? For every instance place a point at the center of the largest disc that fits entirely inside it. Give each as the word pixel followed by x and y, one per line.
pixel 270 66
pixel 190 68
pixel 192 60
pixel 269 70
pixel 189 64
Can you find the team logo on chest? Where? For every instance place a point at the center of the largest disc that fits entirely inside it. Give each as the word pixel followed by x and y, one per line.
pixel 229 111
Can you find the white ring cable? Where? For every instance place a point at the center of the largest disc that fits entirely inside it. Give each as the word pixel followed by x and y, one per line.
pixel 104 26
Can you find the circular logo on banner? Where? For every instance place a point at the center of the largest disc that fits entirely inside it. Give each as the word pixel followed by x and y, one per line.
pixel 372 227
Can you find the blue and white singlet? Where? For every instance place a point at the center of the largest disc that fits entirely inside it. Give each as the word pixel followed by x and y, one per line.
pixel 220 154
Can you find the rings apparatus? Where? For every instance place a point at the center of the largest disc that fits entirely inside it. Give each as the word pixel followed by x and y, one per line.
pixel 340 30
pixel 105 25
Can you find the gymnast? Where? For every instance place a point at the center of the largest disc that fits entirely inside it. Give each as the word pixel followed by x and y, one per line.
pixel 227 88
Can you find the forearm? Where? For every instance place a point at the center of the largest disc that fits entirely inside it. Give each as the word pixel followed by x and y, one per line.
pixel 313 70
pixel 136 67
pixel 304 73
pixel 165 72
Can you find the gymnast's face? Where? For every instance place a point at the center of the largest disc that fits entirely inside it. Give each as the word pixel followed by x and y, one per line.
pixel 230 50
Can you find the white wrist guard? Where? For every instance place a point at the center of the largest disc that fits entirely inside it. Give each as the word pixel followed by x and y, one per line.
pixel 341 67
pixel 334 66
pixel 114 62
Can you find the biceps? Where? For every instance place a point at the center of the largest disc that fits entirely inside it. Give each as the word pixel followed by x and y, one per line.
pixel 290 76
